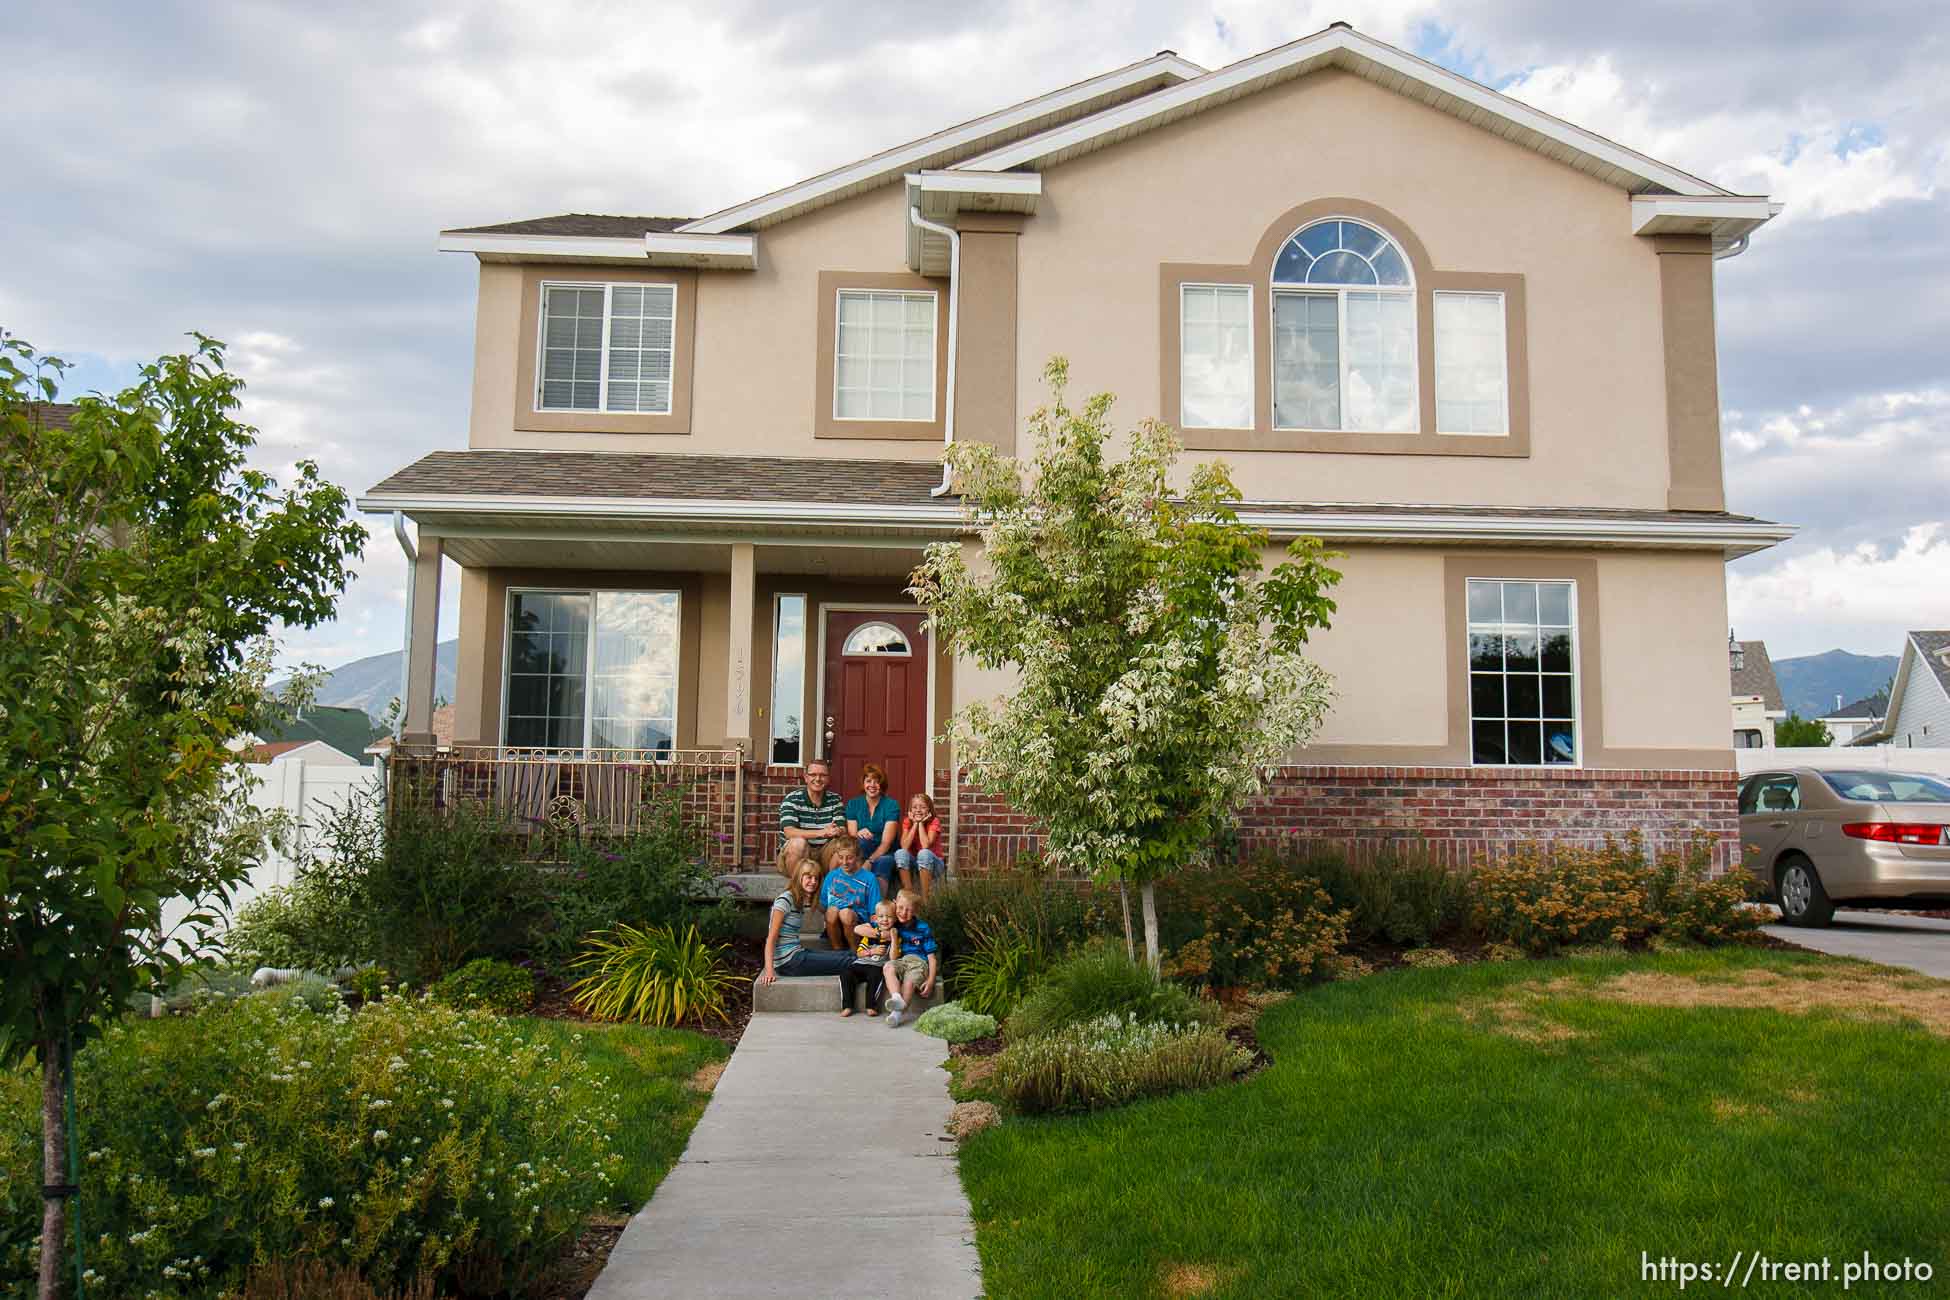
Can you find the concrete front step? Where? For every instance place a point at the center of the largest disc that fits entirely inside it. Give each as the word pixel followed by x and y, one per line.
pixel 822 993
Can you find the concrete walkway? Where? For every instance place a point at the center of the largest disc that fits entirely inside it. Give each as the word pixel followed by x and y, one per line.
pixel 1918 943
pixel 819 1168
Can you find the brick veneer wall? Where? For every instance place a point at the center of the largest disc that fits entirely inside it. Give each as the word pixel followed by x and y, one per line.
pixel 1456 814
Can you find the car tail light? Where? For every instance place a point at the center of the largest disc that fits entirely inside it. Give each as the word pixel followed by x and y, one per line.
pixel 1896 832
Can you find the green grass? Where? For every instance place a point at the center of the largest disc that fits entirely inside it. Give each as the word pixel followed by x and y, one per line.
pixel 1397 1148
pixel 647 1073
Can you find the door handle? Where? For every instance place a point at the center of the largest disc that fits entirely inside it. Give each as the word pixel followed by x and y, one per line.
pixel 1775 825
pixel 829 730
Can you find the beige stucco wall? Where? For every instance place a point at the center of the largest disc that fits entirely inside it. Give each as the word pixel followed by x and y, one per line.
pixel 1656 676
pixel 1206 190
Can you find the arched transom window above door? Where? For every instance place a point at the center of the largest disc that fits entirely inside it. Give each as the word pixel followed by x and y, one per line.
pixel 876 639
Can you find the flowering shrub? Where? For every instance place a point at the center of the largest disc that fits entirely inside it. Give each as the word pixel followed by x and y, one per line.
pixel 955 1023
pixel 1101 981
pixel 1261 923
pixel 489 985
pixel 405 1140
pixel 1544 898
pixel 1110 1061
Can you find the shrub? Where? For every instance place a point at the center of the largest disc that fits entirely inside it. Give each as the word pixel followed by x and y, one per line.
pixel 305 925
pixel 282 1279
pixel 999 972
pixel 488 985
pixel 1055 912
pixel 1402 898
pixel 1541 898
pixel 653 976
pixel 370 983
pixel 955 1023
pixel 408 1139
pixel 1110 1061
pixel 1264 923
pixel 1101 981
pixel 657 875
pixel 314 993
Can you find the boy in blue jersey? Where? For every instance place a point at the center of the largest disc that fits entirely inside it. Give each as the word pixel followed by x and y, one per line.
pixel 848 894
pixel 916 959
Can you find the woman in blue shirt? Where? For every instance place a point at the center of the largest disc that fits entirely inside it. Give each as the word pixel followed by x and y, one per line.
pixel 875 820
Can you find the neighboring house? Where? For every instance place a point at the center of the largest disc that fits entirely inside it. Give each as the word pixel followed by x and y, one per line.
pixel 1469 344
pixel 1756 695
pixel 443 734
pixel 347 730
pixel 1919 702
pixel 308 751
pixel 1850 720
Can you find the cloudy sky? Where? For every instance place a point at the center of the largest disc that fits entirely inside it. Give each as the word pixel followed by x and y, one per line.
pixel 274 174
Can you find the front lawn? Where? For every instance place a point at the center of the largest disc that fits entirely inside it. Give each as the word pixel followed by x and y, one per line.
pixel 651 1076
pixel 1524 1128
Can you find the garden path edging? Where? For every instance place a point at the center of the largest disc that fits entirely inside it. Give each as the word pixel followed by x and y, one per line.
pixel 822 1142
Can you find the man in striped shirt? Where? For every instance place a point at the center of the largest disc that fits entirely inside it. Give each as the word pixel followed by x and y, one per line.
pixel 808 818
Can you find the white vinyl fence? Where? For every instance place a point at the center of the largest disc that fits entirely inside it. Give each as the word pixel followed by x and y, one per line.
pixel 309 791
pixel 1874 758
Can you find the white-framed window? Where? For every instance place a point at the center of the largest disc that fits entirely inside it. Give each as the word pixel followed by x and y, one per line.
pixel 884 355
pixel 606 347
pixel 1471 364
pixel 591 670
pixel 1344 349
pixel 788 679
pixel 1215 356
pixel 1523 672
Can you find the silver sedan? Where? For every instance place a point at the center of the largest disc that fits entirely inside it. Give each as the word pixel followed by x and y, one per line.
pixel 1819 837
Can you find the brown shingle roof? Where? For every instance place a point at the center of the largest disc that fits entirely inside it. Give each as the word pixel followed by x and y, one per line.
pixel 1755 676
pixel 1933 648
pixel 662 476
pixel 578 223
pixel 52 415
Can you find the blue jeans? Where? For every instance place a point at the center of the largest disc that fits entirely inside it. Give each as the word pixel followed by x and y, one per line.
pixel 926 859
pixel 882 866
pixel 813 961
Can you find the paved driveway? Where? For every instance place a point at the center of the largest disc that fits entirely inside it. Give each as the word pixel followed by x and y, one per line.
pixel 1918 943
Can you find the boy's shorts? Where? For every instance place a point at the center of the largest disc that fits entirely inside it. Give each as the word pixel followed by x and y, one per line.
pixel 907 966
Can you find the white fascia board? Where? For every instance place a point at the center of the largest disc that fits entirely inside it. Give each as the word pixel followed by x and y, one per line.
pixel 1012 184
pixel 727 252
pixel 1731 215
pixel 562 248
pixel 1733 536
pixel 900 159
pixel 1338 43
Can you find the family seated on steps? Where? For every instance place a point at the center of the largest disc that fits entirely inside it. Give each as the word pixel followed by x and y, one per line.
pixel 810 818
pixel 881 944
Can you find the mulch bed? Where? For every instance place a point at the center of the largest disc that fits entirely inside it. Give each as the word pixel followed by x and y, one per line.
pixel 989 1046
pixel 1245 1036
pixel 571 1276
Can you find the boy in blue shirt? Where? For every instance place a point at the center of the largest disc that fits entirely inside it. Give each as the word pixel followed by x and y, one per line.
pixel 916 957
pixel 848 894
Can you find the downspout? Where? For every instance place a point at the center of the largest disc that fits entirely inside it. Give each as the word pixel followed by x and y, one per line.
pixel 406 642
pixel 954 331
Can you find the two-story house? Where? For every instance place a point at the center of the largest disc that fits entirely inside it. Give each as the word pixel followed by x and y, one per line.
pixel 1469 344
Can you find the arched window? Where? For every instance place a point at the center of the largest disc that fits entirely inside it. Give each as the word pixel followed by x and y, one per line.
pixel 876 639
pixel 1344 331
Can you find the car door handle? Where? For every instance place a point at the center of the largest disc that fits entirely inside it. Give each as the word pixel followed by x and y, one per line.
pixel 1779 825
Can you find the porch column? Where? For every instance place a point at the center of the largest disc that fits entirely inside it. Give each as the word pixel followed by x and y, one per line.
pixel 418 705
pixel 738 677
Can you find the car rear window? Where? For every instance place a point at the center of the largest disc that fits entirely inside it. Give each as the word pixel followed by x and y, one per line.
pixel 1887 787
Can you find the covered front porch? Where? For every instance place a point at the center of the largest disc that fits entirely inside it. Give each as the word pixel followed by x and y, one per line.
pixel 608 655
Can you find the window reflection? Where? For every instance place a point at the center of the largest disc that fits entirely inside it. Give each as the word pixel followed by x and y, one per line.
pixel 788 677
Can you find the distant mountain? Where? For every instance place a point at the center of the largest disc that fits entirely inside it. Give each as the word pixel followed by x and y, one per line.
pixel 1810 683
pixel 371 683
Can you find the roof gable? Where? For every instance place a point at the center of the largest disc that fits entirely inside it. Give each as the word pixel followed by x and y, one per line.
pixel 1755 676
pixel 1343 47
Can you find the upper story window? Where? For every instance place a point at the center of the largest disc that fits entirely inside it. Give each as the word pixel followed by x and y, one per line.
pixel 606 347
pixel 884 355
pixel 1215 356
pixel 1344 355
pixel 1471 364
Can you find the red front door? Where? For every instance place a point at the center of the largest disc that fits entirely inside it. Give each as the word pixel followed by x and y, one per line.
pixel 876 699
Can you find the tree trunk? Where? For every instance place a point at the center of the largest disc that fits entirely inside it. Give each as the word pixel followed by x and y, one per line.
pixel 1149 895
pixel 54 1146
pixel 1130 943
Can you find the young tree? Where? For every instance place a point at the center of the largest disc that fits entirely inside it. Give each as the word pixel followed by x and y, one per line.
pixel 1159 660
pixel 1795 730
pixel 142 566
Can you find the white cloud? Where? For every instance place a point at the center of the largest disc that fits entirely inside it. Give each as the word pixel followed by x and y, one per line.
pixel 1864 596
